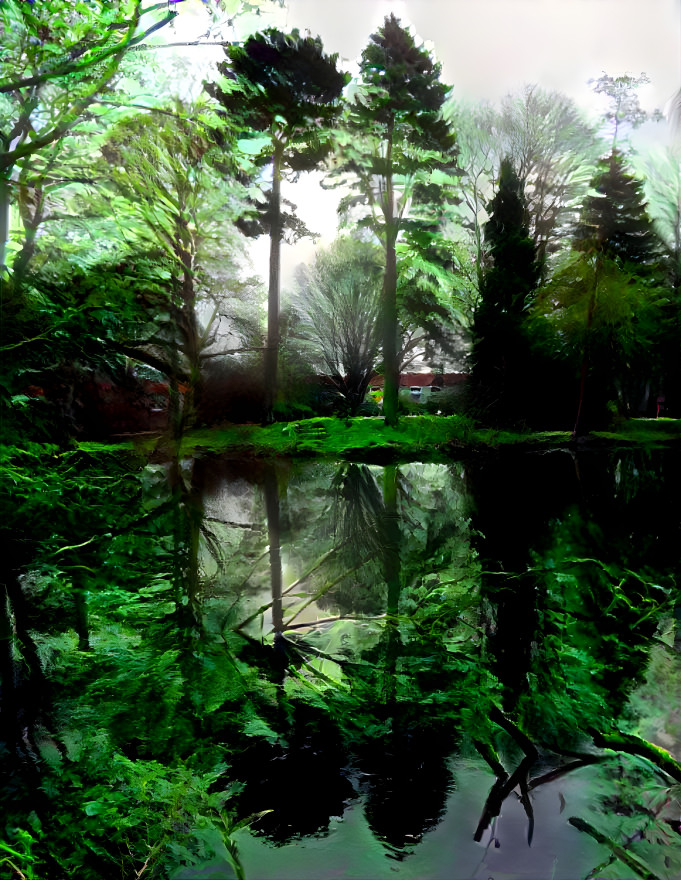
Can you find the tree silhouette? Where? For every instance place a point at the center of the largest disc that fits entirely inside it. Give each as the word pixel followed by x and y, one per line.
pixel 500 347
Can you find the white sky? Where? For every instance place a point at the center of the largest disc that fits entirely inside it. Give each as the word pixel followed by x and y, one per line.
pixel 489 48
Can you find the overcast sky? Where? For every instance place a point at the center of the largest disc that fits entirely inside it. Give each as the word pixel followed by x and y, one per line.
pixel 488 48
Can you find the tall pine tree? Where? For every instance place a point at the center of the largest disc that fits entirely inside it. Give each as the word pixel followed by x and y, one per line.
pixel 615 229
pixel 501 353
pixel 285 87
pixel 398 142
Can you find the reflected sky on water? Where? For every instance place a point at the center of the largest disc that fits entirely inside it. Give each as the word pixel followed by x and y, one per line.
pixel 444 640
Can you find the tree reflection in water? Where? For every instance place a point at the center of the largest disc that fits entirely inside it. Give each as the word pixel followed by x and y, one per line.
pixel 520 635
pixel 329 637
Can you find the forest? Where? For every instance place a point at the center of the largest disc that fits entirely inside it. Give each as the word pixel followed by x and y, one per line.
pixel 380 557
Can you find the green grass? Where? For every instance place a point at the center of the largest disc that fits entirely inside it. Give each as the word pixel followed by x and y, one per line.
pixel 368 437
pixel 371 438
pixel 333 437
pixel 646 432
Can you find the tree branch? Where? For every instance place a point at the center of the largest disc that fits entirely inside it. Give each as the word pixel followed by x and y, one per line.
pixel 69 67
pixel 151 360
pixel 8 159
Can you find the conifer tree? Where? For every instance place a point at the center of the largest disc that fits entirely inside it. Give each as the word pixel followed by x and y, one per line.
pixel 614 221
pixel 285 87
pixel 398 147
pixel 605 300
pixel 500 347
pixel 615 227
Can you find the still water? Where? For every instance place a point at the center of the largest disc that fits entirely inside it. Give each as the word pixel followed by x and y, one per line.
pixel 308 670
pixel 439 651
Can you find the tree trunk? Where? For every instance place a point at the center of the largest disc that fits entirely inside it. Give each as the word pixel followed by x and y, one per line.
pixel 26 695
pixel 192 396
pixel 272 347
pixel 4 216
pixel 273 536
pixel 82 617
pixel 392 642
pixel 389 304
pixel 391 538
pixel 585 355
pixel 8 701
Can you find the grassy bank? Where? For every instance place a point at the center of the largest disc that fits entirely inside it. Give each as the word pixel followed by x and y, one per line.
pixel 643 432
pixel 415 436
pixel 364 437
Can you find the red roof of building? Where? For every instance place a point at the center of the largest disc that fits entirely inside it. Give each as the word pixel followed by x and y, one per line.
pixel 423 380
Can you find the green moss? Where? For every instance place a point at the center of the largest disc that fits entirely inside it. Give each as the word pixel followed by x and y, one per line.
pixel 104 448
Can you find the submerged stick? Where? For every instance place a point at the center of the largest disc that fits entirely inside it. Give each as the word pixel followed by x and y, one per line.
pixel 498 794
pixel 627 858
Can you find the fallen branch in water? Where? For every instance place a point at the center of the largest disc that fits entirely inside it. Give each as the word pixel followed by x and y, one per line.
pixel 525 743
pixel 498 794
pixel 636 745
pixel 624 856
pixel 557 772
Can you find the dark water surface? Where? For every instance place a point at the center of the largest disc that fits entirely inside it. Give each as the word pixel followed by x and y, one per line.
pixel 317 670
pixel 444 642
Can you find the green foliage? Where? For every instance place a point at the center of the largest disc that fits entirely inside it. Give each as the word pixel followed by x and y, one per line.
pixel 401 87
pixel 338 298
pixel 113 748
pixel 336 437
pixel 661 174
pixel 614 220
pixel 598 317
pixel 133 816
pixel 57 60
pixel 396 141
pixel 282 84
pixel 623 309
pixel 63 322
pixel 501 358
